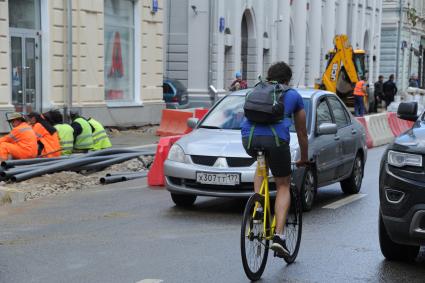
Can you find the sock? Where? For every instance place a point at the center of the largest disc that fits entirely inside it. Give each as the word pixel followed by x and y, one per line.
pixel 260 209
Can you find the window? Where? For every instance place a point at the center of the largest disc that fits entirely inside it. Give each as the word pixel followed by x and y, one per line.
pixel 24 14
pixel 339 112
pixel 323 113
pixel 119 50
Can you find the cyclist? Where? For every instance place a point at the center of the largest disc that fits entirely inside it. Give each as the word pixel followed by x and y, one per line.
pixel 278 156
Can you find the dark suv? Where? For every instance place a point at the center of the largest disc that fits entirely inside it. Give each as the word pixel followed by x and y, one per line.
pixel 402 190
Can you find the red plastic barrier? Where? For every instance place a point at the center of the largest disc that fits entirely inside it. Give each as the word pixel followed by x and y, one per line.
pixel 174 122
pixel 398 126
pixel 369 141
pixel 156 172
pixel 200 113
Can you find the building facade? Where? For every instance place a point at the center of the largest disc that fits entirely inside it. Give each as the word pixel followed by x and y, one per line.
pixel 208 41
pixel 403 40
pixel 117 67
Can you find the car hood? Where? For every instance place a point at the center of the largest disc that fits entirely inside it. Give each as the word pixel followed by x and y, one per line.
pixel 212 142
pixel 413 140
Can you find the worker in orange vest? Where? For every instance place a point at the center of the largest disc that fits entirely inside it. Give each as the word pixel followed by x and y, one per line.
pixel 360 92
pixel 21 142
pixel 47 136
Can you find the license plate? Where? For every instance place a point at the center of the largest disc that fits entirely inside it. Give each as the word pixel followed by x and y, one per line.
pixel 227 179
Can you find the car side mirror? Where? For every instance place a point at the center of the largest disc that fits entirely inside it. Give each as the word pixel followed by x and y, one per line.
pixel 408 111
pixel 327 129
pixel 192 122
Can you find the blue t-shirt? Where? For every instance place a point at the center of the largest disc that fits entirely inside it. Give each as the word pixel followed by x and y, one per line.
pixel 293 103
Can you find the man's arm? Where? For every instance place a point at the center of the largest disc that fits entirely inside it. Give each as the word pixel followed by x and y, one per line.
pixel 300 126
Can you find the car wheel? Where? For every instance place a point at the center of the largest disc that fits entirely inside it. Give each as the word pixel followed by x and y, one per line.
pixel 308 190
pixel 392 250
pixel 183 200
pixel 352 184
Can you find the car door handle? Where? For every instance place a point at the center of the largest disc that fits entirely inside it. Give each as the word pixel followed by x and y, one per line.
pixel 353 131
pixel 336 138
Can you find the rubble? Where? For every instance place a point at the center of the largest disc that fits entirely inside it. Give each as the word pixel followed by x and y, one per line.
pixel 63 182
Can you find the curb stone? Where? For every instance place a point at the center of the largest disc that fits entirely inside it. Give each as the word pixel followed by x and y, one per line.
pixel 11 196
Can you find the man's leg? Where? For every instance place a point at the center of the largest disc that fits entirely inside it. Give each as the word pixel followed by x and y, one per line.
pixel 282 202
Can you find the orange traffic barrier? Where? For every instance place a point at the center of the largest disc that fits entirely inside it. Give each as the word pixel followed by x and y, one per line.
pixel 369 141
pixel 200 113
pixel 156 172
pixel 174 122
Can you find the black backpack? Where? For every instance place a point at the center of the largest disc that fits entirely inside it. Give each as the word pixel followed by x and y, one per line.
pixel 264 103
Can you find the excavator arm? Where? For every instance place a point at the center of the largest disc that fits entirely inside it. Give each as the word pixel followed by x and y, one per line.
pixel 342 58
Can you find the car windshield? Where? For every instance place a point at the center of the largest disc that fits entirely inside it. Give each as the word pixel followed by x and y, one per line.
pixel 229 114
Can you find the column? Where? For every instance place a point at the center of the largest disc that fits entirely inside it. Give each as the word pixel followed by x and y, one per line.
pixel 343 14
pixel 362 24
pixel 378 39
pixel 220 47
pixel 329 24
pixel 283 23
pixel 5 70
pixel 315 40
pixel 300 26
pixel 354 15
pixel 372 50
pixel 261 28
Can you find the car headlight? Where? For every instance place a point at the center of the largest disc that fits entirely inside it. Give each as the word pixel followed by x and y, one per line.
pixel 294 154
pixel 400 159
pixel 176 154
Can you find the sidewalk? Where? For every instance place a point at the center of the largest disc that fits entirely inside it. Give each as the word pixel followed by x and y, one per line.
pixel 131 138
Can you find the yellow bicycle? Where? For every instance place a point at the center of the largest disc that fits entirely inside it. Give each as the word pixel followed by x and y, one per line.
pixel 256 232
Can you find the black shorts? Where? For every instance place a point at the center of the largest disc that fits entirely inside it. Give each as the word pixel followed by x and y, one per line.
pixel 278 157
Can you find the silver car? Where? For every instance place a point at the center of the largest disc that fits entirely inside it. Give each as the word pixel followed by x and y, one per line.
pixel 211 161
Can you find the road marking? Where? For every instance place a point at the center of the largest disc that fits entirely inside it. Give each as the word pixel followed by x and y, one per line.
pixel 344 201
pixel 150 281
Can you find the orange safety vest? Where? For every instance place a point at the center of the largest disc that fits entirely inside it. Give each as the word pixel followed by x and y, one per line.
pixel 24 137
pixel 52 147
pixel 358 90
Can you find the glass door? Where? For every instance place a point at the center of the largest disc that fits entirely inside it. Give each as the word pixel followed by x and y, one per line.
pixel 25 69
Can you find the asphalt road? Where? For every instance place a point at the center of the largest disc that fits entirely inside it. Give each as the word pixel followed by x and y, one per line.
pixel 130 233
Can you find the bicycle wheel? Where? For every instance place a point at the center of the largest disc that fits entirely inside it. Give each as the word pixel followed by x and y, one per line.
pixel 293 226
pixel 254 245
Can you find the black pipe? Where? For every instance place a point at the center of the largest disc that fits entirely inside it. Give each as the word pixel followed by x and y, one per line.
pixel 121 178
pixel 19 162
pixel 60 166
pixel 121 173
pixel 106 163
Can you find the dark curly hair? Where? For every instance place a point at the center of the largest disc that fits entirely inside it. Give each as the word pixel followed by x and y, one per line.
pixel 279 72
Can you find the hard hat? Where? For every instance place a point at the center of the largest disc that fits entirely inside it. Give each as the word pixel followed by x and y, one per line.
pixel 238 74
pixel 14 116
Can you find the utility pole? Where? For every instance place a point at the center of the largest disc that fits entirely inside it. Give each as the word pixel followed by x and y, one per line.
pixel 68 100
pixel 400 22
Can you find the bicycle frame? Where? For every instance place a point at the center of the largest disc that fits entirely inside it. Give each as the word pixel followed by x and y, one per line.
pixel 264 190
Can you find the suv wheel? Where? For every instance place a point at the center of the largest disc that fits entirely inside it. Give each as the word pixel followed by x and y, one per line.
pixel 392 250
pixel 352 184
pixel 308 190
pixel 183 200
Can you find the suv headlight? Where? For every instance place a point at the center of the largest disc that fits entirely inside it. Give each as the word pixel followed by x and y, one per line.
pixel 176 154
pixel 400 159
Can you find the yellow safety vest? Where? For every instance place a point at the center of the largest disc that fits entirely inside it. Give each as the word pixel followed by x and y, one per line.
pixel 85 139
pixel 100 137
pixel 66 138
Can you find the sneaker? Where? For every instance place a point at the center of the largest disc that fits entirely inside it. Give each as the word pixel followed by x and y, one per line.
pixel 279 246
pixel 258 218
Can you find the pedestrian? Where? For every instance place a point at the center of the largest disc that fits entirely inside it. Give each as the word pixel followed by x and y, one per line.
pixel 47 136
pixel 100 137
pixel 390 90
pixel 83 133
pixel 21 142
pixel 360 93
pixel 238 83
pixel 413 81
pixel 65 131
pixel 378 92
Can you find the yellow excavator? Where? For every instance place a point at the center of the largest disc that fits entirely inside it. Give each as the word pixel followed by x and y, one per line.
pixel 344 69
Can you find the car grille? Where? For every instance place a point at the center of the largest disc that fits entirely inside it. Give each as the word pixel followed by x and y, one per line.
pixel 231 161
pixel 204 160
pixel 239 161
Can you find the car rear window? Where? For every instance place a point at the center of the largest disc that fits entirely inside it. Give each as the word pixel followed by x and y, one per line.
pixel 228 114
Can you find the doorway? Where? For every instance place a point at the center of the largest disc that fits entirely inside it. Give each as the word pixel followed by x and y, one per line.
pixel 25 59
